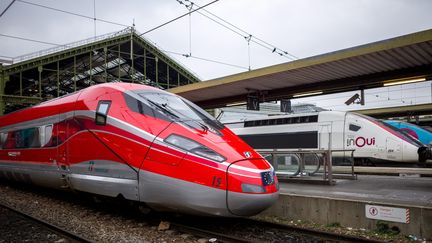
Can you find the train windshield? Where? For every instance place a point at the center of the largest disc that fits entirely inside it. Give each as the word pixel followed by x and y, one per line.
pixel 177 109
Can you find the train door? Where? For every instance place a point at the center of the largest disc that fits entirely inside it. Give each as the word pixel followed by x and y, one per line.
pixel 325 136
pixel 355 130
pixel 61 131
pixel 393 149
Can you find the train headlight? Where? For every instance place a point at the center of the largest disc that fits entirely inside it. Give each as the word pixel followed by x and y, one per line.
pixel 193 147
pixel 252 188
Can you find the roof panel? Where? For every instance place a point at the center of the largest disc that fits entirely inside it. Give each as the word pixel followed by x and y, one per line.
pixel 365 66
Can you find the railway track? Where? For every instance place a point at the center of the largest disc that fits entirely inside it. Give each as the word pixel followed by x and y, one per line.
pixel 252 230
pixel 213 229
pixel 66 235
pixel 200 228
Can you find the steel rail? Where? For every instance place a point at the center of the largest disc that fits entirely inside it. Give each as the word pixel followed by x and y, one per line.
pixel 207 233
pixel 316 232
pixel 64 232
pixel 202 231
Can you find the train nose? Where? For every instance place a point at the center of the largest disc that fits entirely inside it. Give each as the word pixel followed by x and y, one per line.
pixel 250 191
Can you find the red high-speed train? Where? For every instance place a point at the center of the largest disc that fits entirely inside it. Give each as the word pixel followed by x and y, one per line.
pixel 135 141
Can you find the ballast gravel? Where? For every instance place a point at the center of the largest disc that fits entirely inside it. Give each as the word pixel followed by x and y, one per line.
pixel 78 214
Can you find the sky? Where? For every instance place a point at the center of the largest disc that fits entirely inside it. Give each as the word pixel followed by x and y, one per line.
pixel 302 28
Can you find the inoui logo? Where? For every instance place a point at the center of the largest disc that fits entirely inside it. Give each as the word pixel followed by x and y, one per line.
pixel 361 141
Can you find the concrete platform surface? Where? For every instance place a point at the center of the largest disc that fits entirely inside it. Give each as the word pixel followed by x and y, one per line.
pixel 402 202
pixel 409 191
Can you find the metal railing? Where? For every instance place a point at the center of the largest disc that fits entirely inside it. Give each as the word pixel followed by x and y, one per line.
pixel 59 48
pixel 64 47
pixel 306 164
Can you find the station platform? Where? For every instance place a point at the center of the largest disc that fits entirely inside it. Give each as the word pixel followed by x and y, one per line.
pixel 403 202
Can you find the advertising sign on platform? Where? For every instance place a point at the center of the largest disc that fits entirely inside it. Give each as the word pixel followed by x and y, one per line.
pixel 401 215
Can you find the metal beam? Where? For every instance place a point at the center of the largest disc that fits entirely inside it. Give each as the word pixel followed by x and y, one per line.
pixel 2 86
pixel 26 65
pixel 157 70
pixel 106 66
pixel 145 63
pixel 74 74
pixel 374 80
pixel 375 47
pixel 165 58
pixel 58 78
pixel 15 99
pixel 40 69
pixel 68 61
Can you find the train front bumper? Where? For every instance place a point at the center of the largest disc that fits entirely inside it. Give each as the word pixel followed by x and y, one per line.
pixel 251 190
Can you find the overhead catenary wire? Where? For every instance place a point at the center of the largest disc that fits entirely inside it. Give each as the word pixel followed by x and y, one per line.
pixel 255 38
pixel 8 57
pixel 119 24
pixel 6 9
pixel 71 13
pixel 179 17
pixel 205 59
pixel 239 31
pixel 110 22
pixel 171 52
pixel 32 40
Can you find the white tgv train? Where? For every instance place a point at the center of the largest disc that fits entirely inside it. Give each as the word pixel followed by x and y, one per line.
pixel 373 141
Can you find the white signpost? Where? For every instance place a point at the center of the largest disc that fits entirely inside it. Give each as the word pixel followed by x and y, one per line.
pixel 401 215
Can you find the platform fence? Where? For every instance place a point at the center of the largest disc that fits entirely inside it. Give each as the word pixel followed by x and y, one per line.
pixel 312 166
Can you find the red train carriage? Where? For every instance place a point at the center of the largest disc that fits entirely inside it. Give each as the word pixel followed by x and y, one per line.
pixel 141 143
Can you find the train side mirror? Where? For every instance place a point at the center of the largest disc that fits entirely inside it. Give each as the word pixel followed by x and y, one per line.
pixel 102 112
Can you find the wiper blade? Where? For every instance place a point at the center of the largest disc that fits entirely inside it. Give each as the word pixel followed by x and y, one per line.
pixel 201 124
pixel 163 109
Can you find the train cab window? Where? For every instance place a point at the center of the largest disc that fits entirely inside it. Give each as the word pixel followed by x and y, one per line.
pixel 354 128
pixel 102 112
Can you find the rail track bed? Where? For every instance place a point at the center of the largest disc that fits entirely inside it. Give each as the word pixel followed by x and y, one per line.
pixel 119 221
pixel 16 227
pixel 250 230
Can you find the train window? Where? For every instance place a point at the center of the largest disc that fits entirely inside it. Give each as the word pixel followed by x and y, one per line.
pixel 354 128
pixel 10 141
pixel 143 108
pixel 102 112
pixel 27 138
pixel 45 133
pixel 175 108
pixel 3 137
pixel 281 121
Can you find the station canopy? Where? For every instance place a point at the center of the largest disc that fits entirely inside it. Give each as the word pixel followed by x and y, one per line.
pixel 122 56
pixel 372 65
